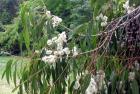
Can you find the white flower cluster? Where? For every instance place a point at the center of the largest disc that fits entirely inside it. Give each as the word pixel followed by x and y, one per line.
pixel 103 19
pixel 96 83
pixel 127 7
pixel 50 59
pixel 55 19
pixel 59 51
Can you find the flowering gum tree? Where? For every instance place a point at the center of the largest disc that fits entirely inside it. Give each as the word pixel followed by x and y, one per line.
pixel 98 56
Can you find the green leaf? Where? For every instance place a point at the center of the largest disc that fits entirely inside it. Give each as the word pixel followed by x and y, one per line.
pixel 136 2
pixel 135 87
pixel 15 89
pixel 8 70
pixel 15 74
pixel 25 23
pixel 85 82
pixel 26 38
pixel 81 28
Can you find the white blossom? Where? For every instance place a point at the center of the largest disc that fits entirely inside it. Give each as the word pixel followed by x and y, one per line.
pixel 49 59
pixel 103 19
pixel 44 58
pixel 49 42
pixel 48 52
pixel 54 39
pixel 52 59
pixel 60 40
pixel 59 46
pixel 99 17
pixel 103 24
pixel 61 52
pixel 56 21
pixel 66 50
pixel 62 37
pixel 56 53
pixel 48 13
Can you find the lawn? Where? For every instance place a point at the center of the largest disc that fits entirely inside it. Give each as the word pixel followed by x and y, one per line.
pixel 5 88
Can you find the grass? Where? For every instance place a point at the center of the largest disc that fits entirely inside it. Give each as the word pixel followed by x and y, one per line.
pixel 5 88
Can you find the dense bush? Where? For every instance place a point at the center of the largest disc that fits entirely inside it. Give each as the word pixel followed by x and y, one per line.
pixel 8 33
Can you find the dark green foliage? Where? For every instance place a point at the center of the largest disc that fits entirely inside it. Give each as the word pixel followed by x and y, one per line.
pixel 8 39
pixel 1 27
pixel 134 2
pixel 8 9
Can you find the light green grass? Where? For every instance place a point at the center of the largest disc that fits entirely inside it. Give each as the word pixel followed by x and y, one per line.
pixel 5 88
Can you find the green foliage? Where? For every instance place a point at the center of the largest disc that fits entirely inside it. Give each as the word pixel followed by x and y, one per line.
pixel 8 10
pixel 135 2
pixel 32 33
pixel 9 37
pixel 5 17
pixel 8 26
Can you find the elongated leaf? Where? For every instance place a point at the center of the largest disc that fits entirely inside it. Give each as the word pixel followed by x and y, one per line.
pixel 8 70
pixel 15 74
pixel 135 87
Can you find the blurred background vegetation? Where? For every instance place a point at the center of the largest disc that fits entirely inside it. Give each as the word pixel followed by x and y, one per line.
pixel 73 12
